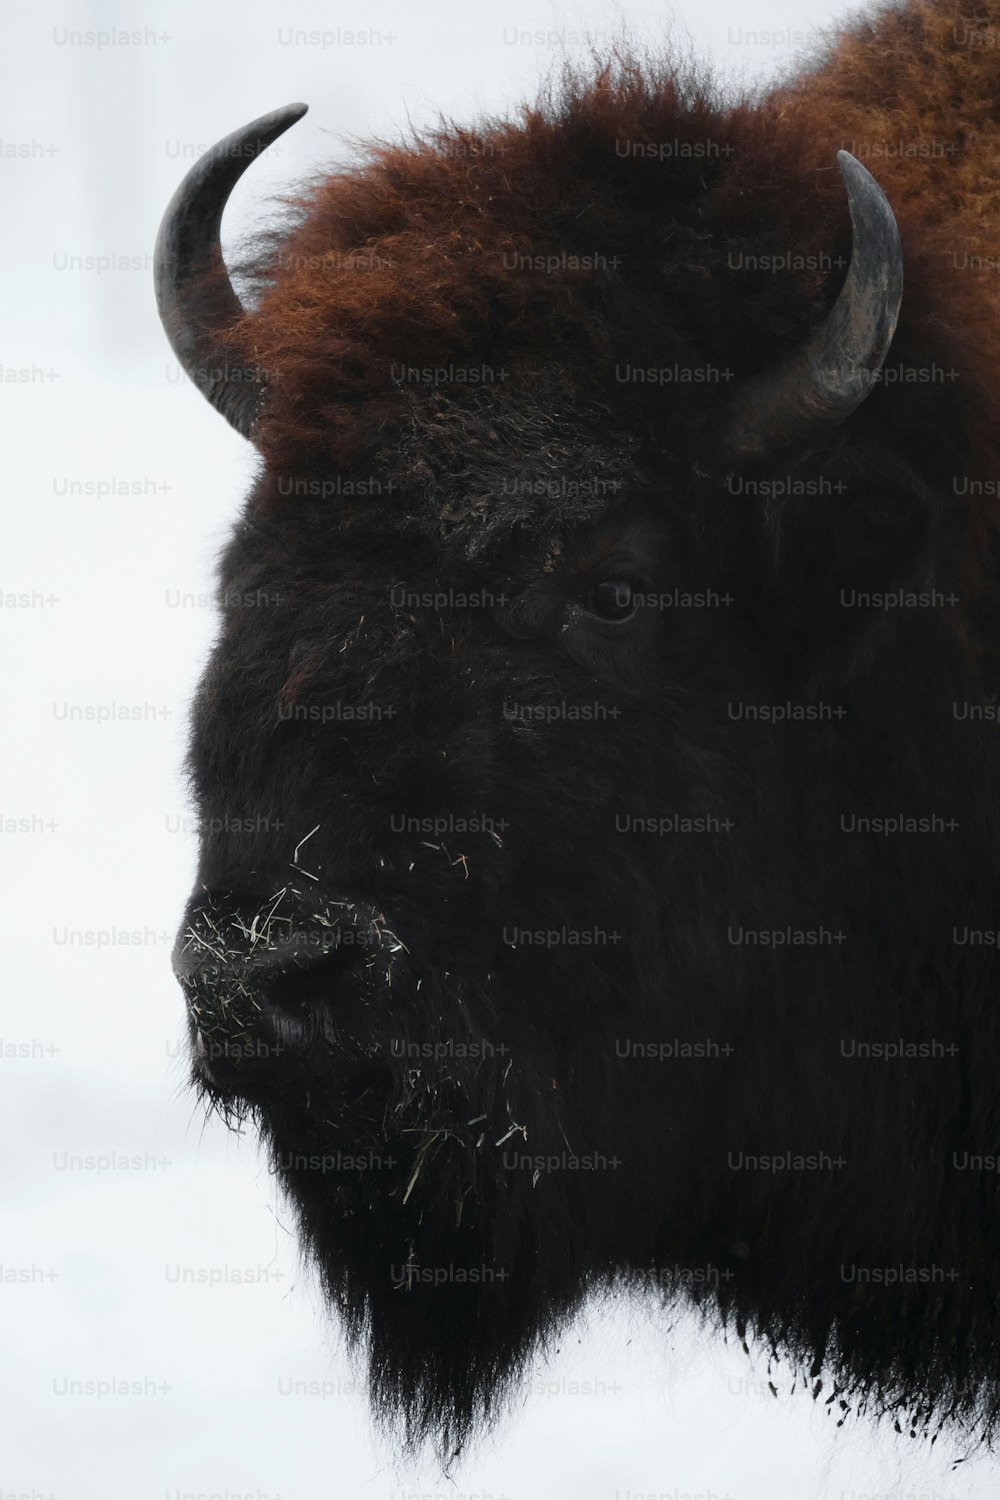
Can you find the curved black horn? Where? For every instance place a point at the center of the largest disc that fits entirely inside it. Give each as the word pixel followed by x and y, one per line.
pixel 816 388
pixel 187 247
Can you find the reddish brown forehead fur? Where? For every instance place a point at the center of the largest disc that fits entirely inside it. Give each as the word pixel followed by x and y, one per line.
pixel 423 255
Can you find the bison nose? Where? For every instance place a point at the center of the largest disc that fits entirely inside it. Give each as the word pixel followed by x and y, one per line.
pixel 292 975
pixel 237 987
pixel 309 981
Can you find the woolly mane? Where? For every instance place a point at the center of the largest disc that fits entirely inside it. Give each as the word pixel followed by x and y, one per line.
pixel 635 218
pixel 436 252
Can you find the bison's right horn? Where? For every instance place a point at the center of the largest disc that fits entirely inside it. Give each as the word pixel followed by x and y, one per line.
pixel 817 387
pixel 195 309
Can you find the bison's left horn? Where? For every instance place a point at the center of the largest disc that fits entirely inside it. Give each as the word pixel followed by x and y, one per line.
pixel 813 390
pixel 196 307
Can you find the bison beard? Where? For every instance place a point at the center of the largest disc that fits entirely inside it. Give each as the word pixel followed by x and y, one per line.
pixel 597 764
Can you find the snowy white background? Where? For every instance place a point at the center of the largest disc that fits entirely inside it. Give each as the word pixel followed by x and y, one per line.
pixel 95 139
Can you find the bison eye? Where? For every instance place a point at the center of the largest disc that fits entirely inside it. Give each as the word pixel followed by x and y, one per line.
pixel 613 599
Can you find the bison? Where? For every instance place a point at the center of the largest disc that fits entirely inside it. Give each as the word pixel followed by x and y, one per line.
pixel 598 767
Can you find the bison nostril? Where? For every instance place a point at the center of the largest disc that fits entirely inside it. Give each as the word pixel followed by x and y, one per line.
pixel 298 990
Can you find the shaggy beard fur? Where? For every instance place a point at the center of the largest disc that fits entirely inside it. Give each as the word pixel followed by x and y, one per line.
pixel 881 738
pixel 557 1070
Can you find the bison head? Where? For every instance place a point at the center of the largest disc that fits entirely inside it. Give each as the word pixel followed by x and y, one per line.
pixel 576 814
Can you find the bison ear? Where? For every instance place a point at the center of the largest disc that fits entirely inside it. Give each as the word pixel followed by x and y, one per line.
pixel 813 390
pixel 194 295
